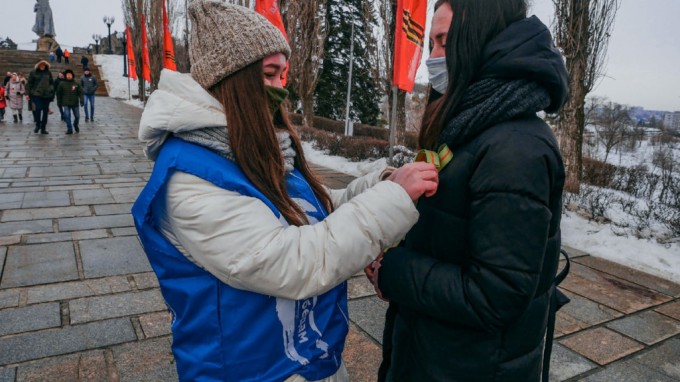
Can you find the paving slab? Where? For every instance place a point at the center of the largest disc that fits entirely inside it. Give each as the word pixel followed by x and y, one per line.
pixel 10 240
pixel 664 358
pixel 29 318
pixel 601 345
pixel 10 201
pixel 148 361
pixel 565 364
pixel 70 339
pixel 39 264
pixel 95 222
pixel 87 366
pixel 359 286
pixel 45 213
pixel 112 209
pixel 146 280
pixel 9 298
pixel 156 324
pixel 369 314
pixel 96 196
pixel 114 256
pixel 628 372
pixel 77 289
pixel 362 356
pixel 647 327
pixel 581 313
pixel 24 227
pixel 611 291
pixel 7 374
pixel 116 305
pixel 46 199
pixel 633 275
pixel 671 310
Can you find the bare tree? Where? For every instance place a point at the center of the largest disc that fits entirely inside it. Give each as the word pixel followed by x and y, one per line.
pixel 612 123
pixel 306 28
pixel 582 30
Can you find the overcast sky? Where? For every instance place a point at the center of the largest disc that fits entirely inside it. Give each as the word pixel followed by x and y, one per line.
pixel 644 51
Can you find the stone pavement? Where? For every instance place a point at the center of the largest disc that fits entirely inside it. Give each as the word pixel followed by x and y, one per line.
pixel 78 300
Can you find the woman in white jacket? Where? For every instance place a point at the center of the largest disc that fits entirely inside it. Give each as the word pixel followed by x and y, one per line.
pixel 251 251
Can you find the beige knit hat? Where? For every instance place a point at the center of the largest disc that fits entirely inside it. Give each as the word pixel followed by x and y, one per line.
pixel 226 38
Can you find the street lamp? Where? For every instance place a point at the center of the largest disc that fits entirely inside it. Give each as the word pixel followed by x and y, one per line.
pixel 108 20
pixel 122 38
pixel 96 38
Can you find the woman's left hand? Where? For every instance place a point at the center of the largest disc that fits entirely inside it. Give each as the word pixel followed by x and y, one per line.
pixel 371 272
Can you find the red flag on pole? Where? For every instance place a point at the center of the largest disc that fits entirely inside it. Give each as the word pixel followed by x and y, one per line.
pixel 146 68
pixel 408 42
pixel 270 10
pixel 132 68
pixel 168 48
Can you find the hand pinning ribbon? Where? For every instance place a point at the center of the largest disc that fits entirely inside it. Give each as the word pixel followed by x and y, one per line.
pixel 439 158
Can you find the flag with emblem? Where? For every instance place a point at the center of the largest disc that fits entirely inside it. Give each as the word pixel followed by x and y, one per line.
pixel 168 48
pixel 409 39
pixel 146 66
pixel 132 68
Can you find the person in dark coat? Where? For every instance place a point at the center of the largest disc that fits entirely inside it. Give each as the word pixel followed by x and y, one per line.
pixel 470 285
pixel 40 89
pixel 85 62
pixel 59 53
pixel 70 95
pixel 57 81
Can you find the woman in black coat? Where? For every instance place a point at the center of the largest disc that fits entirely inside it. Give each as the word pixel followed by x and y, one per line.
pixel 469 288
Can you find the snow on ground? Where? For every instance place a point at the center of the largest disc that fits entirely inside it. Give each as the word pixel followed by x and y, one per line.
pixel 112 71
pixel 591 237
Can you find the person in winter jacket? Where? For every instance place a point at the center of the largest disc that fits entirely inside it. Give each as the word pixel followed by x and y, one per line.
pixel 57 81
pixel 3 104
pixel 67 55
pixel 70 95
pixel 250 250
pixel 469 287
pixel 85 62
pixel 40 89
pixel 89 84
pixel 14 93
pixel 59 53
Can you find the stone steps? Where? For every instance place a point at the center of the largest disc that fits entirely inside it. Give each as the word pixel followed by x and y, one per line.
pixel 24 61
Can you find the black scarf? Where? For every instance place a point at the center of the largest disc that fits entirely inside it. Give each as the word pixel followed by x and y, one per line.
pixel 489 102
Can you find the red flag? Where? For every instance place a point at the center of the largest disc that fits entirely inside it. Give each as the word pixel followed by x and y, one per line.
pixel 168 48
pixel 146 68
pixel 408 42
pixel 132 68
pixel 270 10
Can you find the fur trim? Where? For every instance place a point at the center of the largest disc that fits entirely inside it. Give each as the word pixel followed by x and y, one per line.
pixel 43 62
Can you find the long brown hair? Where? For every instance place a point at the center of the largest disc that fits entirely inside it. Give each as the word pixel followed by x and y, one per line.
pixel 252 136
pixel 474 24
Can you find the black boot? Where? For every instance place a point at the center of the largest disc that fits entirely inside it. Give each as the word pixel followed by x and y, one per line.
pixel 21 118
pixel 77 129
pixel 42 129
pixel 15 118
pixel 37 127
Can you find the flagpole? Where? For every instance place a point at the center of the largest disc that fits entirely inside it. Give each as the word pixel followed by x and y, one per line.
pixel 393 122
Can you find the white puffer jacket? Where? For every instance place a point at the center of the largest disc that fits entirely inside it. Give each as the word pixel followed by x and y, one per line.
pixel 240 241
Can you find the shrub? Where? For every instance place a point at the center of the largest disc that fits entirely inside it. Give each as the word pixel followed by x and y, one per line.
pixel 352 148
pixel 597 173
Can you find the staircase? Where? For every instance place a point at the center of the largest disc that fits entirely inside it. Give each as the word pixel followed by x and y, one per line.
pixel 24 61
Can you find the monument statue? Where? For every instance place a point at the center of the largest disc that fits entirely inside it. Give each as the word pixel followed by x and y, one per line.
pixel 44 26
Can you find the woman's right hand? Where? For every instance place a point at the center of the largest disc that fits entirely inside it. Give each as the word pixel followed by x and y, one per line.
pixel 416 178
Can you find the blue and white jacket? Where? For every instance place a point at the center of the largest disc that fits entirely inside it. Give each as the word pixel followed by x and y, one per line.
pixel 253 298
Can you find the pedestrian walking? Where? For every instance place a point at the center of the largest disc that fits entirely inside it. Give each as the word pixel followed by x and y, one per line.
pixel 40 89
pixel 70 95
pixel 57 81
pixel 85 62
pixel 471 286
pixel 67 54
pixel 89 84
pixel 15 93
pixel 230 172
pixel 52 57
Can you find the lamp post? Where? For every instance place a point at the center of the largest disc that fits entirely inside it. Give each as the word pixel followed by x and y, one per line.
pixel 122 38
pixel 108 20
pixel 96 38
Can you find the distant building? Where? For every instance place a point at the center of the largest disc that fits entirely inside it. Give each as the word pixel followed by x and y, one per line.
pixel 671 121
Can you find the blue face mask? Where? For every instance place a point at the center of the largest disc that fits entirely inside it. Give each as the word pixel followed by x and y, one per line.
pixel 439 74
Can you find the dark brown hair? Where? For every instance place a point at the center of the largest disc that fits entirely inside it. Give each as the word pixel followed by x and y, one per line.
pixel 252 136
pixel 474 24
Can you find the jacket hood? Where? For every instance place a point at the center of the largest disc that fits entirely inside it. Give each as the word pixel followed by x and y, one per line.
pixel 525 50
pixel 47 64
pixel 179 104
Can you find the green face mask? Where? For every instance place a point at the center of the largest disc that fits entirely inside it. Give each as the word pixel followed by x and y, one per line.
pixel 275 96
